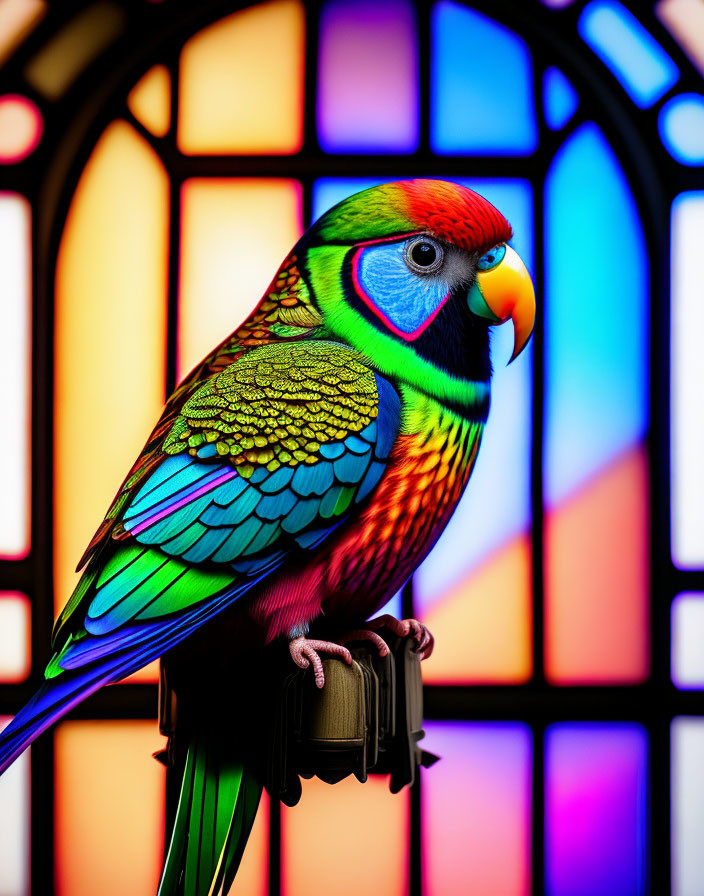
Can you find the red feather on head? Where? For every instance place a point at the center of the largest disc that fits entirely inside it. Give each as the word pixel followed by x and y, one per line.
pixel 455 214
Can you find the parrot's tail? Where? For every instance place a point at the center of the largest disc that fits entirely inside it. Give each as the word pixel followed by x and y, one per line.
pixel 216 809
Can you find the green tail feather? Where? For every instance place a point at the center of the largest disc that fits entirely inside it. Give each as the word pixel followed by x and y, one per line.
pixel 216 809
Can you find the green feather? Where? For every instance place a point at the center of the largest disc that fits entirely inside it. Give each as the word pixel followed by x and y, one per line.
pixel 216 809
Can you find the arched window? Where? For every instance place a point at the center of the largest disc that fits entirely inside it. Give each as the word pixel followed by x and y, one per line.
pixel 157 161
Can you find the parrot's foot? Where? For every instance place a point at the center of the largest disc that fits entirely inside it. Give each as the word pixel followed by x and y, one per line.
pixel 363 634
pixel 305 652
pixel 405 627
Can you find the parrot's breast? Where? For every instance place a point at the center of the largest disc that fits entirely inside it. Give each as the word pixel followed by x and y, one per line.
pixel 426 476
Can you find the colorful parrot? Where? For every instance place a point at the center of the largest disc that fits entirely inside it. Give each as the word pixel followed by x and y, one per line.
pixel 304 469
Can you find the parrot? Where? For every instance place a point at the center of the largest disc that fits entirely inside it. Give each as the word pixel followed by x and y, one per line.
pixel 303 470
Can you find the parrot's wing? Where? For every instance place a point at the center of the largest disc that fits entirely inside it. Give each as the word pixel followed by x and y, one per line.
pixel 202 529
pixel 311 427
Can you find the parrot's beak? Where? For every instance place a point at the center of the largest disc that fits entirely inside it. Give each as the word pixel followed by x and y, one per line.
pixel 506 291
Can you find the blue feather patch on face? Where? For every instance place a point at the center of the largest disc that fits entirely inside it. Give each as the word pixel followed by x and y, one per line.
pixel 405 301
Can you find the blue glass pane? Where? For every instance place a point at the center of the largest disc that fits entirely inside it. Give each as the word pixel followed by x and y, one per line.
pixel 595 809
pixel 632 53
pixel 681 125
pixel 596 314
pixel 367 77
pixel 473 534
pixel 560 99
pixel 481 85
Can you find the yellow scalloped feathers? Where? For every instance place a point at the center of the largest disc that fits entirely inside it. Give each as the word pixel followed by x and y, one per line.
pixel 276 405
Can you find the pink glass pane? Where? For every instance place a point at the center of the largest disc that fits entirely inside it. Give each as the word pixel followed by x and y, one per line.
pixel 20 128
pixel 476 805
pixel 595 809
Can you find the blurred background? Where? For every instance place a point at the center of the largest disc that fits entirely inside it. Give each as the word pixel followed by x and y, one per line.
pixel 157 162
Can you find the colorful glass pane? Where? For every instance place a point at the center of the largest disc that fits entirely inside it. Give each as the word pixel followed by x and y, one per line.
pixel 596 413
pixel 20 128
pixel 235 233
pixel 150 100
pixel 17 20
pixel 687 634
pixel 596 579
pixel 476 810
pixel 681 125
pixel 241 83
pixel 687 375
pixel 629 50
pixel 560 99
pixel 15 373
pixel 481 85
pixel 347 839
pixel 687 808
pixel 15 637
pixel 367 77
pixel 253 874
pixel 110 325
pixel 109 808
pixel 685 19
pixel 596 799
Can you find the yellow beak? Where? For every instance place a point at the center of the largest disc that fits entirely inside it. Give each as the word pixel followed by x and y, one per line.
pixel 506 291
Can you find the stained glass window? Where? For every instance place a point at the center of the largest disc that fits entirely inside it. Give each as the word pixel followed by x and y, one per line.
pixel 157 161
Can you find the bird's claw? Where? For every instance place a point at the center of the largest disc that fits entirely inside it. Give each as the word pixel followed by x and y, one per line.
pixel 305 652
pixel 363 634
pixel 403 628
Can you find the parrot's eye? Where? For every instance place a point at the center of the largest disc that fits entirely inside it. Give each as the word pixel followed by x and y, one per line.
pixel 423 255
pixel 491 258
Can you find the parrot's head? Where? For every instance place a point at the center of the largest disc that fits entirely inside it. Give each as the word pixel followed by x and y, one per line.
pixel 413 274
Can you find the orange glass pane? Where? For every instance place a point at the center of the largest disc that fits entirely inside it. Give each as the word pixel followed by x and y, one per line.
pixel 17 19
pixel 70 50
pixel 110 340
pixel 348 839
pixel 15 637
pixel 253 874
pixel 147 675
pixel 482 627
pixel 150 100
pixel 596 611
pixel 241 83
pixel 235 233
pixel 109 809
